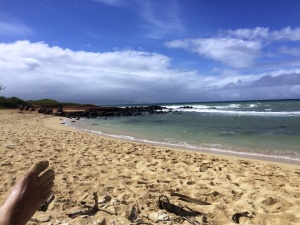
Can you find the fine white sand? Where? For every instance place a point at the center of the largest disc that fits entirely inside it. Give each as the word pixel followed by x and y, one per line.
pixel 135 173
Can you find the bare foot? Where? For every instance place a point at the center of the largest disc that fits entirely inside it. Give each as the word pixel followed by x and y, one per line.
pixel 27 196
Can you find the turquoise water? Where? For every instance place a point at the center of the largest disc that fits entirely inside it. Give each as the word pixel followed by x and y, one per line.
pixel 268 130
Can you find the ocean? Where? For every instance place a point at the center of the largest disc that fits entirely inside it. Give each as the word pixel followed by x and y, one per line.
pixel 267 130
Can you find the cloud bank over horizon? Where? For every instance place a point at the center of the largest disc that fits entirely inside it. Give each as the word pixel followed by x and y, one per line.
pixel 35 70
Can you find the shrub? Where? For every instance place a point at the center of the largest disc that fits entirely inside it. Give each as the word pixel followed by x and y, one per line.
pixel 45 102
pixel 12 102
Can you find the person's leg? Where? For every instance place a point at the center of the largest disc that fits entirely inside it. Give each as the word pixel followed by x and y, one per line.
pixel 27 196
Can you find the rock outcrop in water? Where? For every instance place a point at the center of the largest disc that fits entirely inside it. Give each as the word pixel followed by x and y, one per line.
pixel 107 111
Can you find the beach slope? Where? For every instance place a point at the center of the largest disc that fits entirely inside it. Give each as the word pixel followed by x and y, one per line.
pixel 128 178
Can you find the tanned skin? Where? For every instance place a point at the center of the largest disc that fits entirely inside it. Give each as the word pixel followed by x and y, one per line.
pixel 29 193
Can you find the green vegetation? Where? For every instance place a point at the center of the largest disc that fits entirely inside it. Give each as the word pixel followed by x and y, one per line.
pixel 15 102
pixel 10 103
pixel 45 102
pixel 53 103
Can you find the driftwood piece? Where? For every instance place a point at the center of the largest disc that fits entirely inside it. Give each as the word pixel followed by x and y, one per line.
pixel 44 207
pixel 89 211
pixel 189 199
pixel 192 221
pixel 105 199
pixel 236 217
pixel 164 203
pixel 132 212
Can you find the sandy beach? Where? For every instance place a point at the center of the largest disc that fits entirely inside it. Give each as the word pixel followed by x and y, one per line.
pixel 129 177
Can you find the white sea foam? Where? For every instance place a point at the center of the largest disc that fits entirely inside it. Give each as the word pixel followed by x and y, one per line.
pixel 212 149
pixel 194 106
pixel 215 110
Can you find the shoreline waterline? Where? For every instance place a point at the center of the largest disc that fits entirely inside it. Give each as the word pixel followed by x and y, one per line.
pixel 217 152
pixel 267 130
pixel 59 123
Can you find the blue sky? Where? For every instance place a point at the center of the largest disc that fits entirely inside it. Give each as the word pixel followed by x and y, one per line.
pixel 150 51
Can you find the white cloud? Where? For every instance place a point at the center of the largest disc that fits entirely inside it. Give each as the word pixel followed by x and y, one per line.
pixel 264 33
pixel 116 3
pixel 160 19
pixel 236 53
pixel 14 28
pixel 37 70
pixel 246 48
pixel 290 51
pixel 157 19
pixel 287 34
pixel 250 34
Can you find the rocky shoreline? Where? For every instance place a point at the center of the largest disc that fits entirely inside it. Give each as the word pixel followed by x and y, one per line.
pixel 94 112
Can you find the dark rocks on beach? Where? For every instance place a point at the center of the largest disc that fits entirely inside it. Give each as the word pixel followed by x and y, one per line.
pixel 42 110
pixel 45 111
pixel 26 107
pixel 59 114
pixel 59 109
pixel 95 112
pixel 49 111
pixel 186 107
